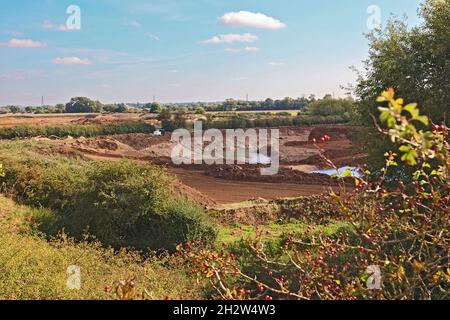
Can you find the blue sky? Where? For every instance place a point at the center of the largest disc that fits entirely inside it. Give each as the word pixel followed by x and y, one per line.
pixel 128 51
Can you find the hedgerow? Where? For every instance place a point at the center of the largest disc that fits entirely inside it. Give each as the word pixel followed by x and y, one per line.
pixel 76 131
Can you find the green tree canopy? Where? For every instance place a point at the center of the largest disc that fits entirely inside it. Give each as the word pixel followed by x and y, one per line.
pixel 413 61
pixel 122 107
pixel 330 107
pixel 416 62
pixel 83 105
pixel 200 110
pixel 155 107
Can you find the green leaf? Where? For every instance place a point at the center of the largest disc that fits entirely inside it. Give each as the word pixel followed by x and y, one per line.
pixel 404 148
pixel 412 109
pixel 423 119
pixel 410 157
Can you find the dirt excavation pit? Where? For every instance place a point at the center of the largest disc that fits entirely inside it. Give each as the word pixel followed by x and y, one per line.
pixel 221 184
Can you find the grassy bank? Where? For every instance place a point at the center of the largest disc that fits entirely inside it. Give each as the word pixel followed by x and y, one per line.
pixel 34 268
pixel 122 204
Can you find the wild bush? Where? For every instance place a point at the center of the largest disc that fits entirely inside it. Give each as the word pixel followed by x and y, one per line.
pixel 34 268
pixel 122 204
pixel 397 247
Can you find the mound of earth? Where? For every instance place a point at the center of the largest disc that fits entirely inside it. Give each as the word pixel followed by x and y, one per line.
pixel 335 132
pixel 181 190
pixel 62 151
pixel 140 141
pixel 253 173
pixel 103 146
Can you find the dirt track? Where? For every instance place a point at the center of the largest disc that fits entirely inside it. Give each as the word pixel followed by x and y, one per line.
pixel 227 191
pixel 67 119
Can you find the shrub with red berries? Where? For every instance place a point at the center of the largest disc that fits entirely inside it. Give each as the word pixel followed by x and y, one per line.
pixel 399 227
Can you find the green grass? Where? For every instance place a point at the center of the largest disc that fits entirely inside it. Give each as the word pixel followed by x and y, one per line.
pixel 273 232
pixel 122 204
pixel 34 268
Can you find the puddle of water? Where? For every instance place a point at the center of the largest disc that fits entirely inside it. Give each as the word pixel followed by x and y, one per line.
pixel 340 172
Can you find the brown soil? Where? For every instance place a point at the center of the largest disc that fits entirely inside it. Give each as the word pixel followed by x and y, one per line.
pixel 182 190
pixel 252 173
pixel 337 133
pixel 66 119
pixel 140 141
pixel 232 191
pixel 213 185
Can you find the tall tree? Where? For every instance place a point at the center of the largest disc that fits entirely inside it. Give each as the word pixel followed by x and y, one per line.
pixel 416 62
pixel 413 61
pixel 83 105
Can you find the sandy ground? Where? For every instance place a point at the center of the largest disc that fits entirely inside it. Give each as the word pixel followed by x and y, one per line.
pixel 212 185
pixel 67 119
pixel 227 191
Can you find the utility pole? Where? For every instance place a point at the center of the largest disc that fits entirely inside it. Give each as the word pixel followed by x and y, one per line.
pixel 42 101
pixel 247 97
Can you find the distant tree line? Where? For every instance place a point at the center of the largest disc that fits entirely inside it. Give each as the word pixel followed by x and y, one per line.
pixel 321 107
pixel 323 111
pixel 75 105
pixel 268 104
pixel 331 107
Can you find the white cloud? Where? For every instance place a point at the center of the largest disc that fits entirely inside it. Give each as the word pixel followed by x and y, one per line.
pixel 72 61
pixel 25 43
pixel 251 49
pixel 48 25
pixel 232 37
pixel 277 64
pixel 251 20
pixel 173 71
